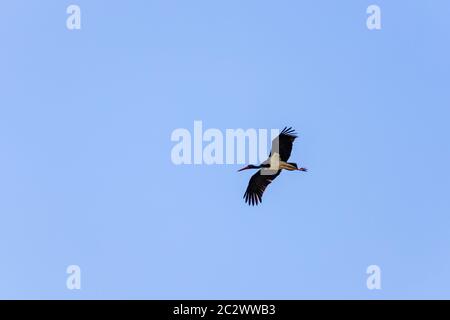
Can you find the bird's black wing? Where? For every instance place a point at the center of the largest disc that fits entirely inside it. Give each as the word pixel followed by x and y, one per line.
pixel 283 143
pixel 256 186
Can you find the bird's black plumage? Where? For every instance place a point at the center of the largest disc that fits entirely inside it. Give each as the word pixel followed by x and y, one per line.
pixel 283 143
pixel 256 186
pixel 258 183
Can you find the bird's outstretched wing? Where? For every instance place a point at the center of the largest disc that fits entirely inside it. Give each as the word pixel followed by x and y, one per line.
pixel 283 143
pixel 257 184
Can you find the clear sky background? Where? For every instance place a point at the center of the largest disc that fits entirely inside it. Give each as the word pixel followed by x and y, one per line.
pixel 86 176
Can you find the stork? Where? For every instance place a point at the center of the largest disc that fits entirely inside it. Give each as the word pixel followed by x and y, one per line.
pixel 271 168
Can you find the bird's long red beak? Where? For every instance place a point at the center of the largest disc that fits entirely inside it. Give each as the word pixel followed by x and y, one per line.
pixel 244 168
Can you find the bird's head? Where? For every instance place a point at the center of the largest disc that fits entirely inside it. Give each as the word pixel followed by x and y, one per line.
pixel 250 166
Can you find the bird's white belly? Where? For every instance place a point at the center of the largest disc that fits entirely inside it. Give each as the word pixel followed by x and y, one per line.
pixel 274 162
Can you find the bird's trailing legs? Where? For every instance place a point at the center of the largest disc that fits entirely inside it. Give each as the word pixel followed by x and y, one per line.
pixel 291 166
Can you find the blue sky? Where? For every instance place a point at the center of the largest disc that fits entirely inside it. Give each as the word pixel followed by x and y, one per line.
pixel 86 176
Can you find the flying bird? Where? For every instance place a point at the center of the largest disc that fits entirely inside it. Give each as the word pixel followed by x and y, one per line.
pixel 271 168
